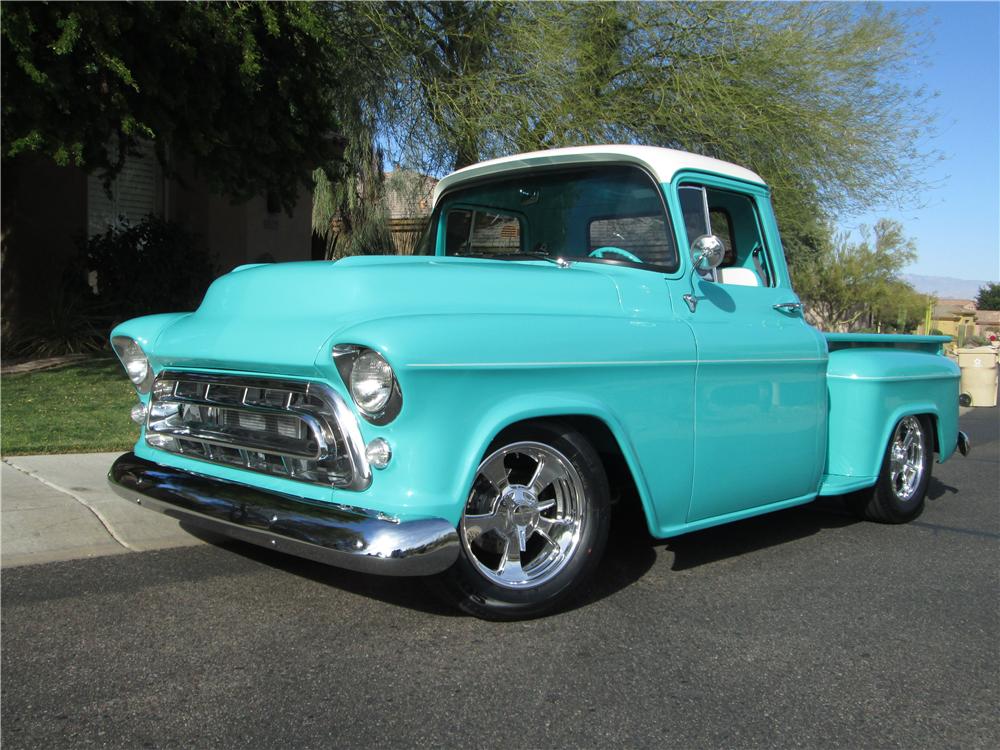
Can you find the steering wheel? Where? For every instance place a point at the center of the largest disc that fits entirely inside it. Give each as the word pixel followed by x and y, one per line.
pixel 602 252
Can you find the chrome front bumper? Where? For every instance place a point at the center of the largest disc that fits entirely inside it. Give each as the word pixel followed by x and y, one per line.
pixel 318 531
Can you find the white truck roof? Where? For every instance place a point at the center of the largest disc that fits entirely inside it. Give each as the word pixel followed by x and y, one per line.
pixel 664 163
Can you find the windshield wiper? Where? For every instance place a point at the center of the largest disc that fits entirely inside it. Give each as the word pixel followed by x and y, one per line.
pixel 561 262
pixel 526 255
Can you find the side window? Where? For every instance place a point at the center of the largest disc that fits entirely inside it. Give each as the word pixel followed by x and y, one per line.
pixel 478 232
pixel 733 217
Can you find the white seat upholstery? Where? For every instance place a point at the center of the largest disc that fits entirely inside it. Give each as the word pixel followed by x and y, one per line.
pixel 738 276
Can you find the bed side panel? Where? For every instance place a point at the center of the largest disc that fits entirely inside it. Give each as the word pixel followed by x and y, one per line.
pixel 870 390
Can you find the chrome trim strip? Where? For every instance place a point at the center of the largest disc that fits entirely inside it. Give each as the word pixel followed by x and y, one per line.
pixel 323 532
pixel 248 443
pixel 339 412
pixel 621 363
pixel 890 378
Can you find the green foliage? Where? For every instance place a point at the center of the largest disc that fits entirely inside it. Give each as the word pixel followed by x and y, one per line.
pixel 804 94
pixel 78 408
pixel 349 210
pixel 988 297
pixel 249 92
pixel 848 285
pixel 75 323
pixel 151 267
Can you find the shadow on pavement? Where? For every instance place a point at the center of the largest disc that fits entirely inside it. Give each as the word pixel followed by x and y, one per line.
pixel 398 591
pixel 753 534
pixel 630 554
pixel 936 489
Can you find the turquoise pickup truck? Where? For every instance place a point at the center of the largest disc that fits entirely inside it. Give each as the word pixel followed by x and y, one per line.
pixel 577 328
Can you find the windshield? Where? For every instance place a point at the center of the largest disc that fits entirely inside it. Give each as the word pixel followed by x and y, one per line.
pixel 611 214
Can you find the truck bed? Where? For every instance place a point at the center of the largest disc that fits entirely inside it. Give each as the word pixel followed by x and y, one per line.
pixel 928 344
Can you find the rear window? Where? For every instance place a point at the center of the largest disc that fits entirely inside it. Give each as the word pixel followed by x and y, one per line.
pixel 482 232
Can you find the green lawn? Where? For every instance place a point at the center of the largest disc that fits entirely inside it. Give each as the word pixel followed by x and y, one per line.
pixel 81 407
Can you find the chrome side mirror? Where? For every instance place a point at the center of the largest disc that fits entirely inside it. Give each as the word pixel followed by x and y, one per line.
pixel 707 252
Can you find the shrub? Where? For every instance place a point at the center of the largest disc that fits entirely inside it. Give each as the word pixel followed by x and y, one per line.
pixel 150 267
pixel 72 324
pixel 973 341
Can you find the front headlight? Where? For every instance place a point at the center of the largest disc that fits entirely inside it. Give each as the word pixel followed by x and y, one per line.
pixel 134 361
pixel 371 381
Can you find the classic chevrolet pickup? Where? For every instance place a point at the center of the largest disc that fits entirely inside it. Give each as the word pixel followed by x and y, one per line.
pixel 471 413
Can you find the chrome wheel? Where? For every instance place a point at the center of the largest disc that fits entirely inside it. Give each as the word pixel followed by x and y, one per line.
pixel 906 458
pixel 525 515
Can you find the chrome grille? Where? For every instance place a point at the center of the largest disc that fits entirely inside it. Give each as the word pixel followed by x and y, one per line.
pixel 295 429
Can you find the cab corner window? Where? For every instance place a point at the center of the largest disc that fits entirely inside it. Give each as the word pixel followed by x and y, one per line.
pixel 479 232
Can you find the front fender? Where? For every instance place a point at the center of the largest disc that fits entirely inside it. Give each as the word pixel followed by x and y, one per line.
pixel 466 378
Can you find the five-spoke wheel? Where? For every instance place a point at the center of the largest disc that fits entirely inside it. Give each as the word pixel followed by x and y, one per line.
pixel 906 458
pixel 898 496
pixel 534 525
pixel 523 520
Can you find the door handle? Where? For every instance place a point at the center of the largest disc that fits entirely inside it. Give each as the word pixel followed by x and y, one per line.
pixel 788 307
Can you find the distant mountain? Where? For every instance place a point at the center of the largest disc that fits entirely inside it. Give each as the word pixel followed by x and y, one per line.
pixel 944 287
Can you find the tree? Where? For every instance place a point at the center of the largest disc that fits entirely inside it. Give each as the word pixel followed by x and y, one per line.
pixel 250 92
pixel 349 212
pixel 804 94
pixel 849 285
pixel 988 297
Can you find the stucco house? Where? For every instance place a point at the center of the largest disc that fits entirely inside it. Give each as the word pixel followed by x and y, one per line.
pixel 959 318
pixel 954 317
pixel 987 323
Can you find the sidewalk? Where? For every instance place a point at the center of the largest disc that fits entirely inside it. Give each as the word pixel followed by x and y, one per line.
pixel 60 508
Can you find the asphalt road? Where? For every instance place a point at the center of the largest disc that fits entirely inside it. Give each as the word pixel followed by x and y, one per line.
pixel 804 628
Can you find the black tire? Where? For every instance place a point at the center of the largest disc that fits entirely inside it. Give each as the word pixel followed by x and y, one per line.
pixel 555 528
pixel 898 497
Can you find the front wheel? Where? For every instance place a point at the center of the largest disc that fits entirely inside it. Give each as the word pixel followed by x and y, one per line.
pixel 898 496
pixel 534 526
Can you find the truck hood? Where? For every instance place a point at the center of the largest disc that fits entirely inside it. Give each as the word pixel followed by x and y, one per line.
pixel 278 317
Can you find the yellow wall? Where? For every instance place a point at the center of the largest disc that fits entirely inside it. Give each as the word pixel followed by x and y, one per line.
pixel 949 326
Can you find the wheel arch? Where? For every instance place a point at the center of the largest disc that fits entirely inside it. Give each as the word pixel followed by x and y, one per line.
pixel 926 410
pixel 593 421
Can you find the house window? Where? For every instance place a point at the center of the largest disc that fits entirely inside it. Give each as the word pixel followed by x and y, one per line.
pixel 136 192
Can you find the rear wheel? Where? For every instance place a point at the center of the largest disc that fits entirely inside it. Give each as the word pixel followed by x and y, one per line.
pixel 534 526
pixel 898 496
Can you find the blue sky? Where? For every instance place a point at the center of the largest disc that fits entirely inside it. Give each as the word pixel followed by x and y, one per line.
pixel 957 232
